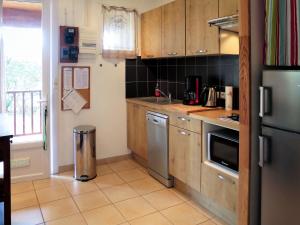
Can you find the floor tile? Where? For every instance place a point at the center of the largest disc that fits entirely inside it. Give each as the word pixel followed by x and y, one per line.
pixel 201 209
pixel 218 221
pixel 103 170
pixel 120 193
pixel 78 187
pixel 21 187
pixel 134 208
pixel 163 199
pixel 209 222
pixel 27 216
pixel 184 214
pixel 23 200
pixel 65 176
pixel 122 165
pixel 107 215
pixel 91 200
pixel 108 180
pixel 152 219
pixel 146 186
pixel 58 209
pixel 76 219
pixel 180 194
pixel 46 183
pixel 52 193
pixel 132 175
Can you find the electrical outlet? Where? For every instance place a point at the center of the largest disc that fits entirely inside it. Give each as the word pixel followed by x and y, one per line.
pixel 19 163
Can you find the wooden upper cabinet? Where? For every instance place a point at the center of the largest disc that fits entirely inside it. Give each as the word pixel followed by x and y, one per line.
pixel 228 7
pixel 173 29
pixel 201 39
pixel 151 33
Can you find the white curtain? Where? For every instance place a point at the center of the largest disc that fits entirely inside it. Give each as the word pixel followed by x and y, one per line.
pixel 119 33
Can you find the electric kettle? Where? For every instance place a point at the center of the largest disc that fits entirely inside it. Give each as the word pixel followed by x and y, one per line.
pixel 212 97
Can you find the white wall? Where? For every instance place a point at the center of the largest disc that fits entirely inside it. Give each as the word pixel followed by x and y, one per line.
pixel 108 103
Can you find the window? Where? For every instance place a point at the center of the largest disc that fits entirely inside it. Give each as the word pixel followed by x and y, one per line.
pixel 21 66
pixel 119 32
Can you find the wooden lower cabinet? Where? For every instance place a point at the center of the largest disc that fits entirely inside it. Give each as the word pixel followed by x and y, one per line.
pixel 220 187
pixel 185 156
pixel 137 129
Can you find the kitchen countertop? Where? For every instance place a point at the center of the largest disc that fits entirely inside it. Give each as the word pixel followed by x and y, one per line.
pixel 218 117
pixel 209 115
pixel 185 109
pixel 5 129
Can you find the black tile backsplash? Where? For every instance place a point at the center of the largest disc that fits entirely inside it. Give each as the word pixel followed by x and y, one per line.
pixel 143 75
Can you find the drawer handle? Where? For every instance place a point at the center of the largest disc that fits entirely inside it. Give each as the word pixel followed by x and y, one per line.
pixel 172 53
pixel 183 119
pixel 225 179
pixel 201 51
pixel 183 133
pixel 149 56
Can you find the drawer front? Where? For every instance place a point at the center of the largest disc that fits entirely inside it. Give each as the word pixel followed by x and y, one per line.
pixel 185 122
pixel 220 187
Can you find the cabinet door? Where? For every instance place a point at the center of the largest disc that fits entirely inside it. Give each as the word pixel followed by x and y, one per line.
pixel 228 7
pixel 201 38
pixel 173 29
pixel 141 132
pixel 220 187
pixel 185 156
pixel 151 33
pixel 131 108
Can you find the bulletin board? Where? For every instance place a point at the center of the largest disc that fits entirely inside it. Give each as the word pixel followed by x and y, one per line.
pixel 77 77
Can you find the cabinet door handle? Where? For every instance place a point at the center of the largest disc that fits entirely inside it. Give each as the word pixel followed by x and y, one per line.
pixel 225 179
pixel 149 56
pixel 183 133
pixel 172 53
pixel 183 119
pixel 201 51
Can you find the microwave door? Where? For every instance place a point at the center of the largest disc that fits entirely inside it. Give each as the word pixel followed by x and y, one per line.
pixel 224 152
pixel 280 100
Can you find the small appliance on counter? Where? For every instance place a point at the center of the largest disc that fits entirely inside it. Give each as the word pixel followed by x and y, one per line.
pixel 192 92
pixel 212 97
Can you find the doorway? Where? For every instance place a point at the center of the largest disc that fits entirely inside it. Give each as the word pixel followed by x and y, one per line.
pixel 23 88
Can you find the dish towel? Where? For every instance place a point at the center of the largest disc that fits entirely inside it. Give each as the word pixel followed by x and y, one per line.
pixel 282 45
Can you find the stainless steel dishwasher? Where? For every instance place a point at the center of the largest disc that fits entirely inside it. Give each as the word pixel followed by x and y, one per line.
pixel 158 147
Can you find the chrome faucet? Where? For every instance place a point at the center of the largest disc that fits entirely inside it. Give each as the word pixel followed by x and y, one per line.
pixel 169 96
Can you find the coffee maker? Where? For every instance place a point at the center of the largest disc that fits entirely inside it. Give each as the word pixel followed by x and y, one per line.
pixel 192 92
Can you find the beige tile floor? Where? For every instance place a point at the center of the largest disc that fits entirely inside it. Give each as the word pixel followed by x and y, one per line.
pixel 122 194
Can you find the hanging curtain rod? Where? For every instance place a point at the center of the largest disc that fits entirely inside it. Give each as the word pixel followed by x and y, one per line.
pixel 119 8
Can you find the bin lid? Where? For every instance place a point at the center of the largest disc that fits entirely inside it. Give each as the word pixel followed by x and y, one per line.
pixel 84 129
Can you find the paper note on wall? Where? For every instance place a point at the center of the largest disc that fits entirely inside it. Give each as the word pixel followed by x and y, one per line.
pixel 73 100
pixel 68 81
pixel 81 78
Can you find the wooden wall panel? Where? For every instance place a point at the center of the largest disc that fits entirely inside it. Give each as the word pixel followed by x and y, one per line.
pixel 245 113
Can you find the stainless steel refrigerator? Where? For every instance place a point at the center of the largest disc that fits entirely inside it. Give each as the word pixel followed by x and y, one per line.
pixel 279 147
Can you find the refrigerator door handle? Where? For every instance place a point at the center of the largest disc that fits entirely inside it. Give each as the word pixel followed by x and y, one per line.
pixel 263 150
pixel 265 101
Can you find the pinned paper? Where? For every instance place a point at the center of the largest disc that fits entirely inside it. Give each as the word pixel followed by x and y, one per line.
pixel 74 101
pixel 81 78
pixel 67 76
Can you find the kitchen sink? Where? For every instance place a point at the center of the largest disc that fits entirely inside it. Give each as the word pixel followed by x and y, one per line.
pixel 160 100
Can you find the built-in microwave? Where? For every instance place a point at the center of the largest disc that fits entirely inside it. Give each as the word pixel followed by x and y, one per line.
pixel 223 148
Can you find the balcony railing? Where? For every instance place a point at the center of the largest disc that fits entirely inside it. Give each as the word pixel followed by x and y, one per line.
pixel 24 111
